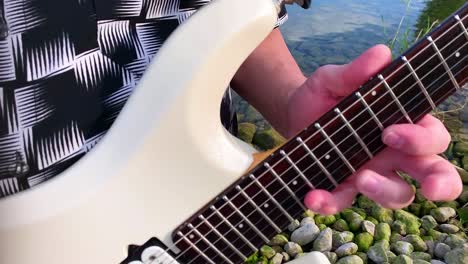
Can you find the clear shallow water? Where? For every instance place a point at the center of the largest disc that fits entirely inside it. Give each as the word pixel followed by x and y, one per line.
pixel 337 31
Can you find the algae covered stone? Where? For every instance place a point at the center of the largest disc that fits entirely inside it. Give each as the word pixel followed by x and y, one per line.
pixel 402 259
pixel 277 259
pixel 364 241
pixel 363 256
pixel 421 255
pixel 331 256
pixel 350 260
pixel 279 240
pixel 382 232
pixel 378 253
pixel 341 225
pixel 441 249
pixel 368 226
pixel 383 215
pixel 417 242
pixel 246 131
pixel 410 221
pixel 293 249
pixel 342 238
pixel 399 227
pixel 403 247
pixel 454 241
pixel 428 222
pixel 267 251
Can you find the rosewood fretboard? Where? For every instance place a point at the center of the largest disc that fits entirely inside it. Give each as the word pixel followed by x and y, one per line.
pixel 263 203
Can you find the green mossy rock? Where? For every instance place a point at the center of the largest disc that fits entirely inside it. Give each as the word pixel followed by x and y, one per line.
pixel 246 132
pixel 415 209
pixel 382 232
pixel 383 215
pixel 364 241
pixel 267 251
pixel 402 259
pixel 460 149
pixel 268 139
pixel 341 225
pixel 427 207
pixel 410 221
pixel 365 203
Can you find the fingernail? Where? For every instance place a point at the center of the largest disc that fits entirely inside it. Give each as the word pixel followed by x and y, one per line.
pixel 393 140
pixel 371 185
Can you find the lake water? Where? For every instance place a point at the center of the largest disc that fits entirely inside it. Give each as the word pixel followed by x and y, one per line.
pixel 337 31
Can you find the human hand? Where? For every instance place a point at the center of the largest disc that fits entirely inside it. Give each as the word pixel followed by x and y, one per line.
pixel 411 148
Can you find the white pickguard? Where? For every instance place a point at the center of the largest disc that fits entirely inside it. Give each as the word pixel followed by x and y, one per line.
pixel 165 157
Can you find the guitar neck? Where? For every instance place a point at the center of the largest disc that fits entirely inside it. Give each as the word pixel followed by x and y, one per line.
pixel 266 200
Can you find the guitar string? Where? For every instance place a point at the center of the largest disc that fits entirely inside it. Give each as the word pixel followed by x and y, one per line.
pixel 291 180
pixel 378 85
pixel 301 188
pixel 305 186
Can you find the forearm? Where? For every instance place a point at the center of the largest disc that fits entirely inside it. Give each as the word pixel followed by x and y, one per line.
pixel 267 78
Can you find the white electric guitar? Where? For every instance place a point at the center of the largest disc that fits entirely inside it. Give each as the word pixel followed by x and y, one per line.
pixel 184 190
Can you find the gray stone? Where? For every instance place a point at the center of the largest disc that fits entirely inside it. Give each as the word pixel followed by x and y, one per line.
pixel 458 255
pixel 346 250
pixel 441 249
pixel 430 247
pixel 293 249
pixel 378 253
pixel 417 242
pixel 454 241
pixel 307 220
pixel 435 261
pixel 428 222
pixel 350 260
pixel 331 256
pixel 342 238
pixel 443 214
pixel 448 228
pixel 420 261
pixel 403 247
pixel 286 256
pixel 323 242
pixel 305 234
pixel 368 226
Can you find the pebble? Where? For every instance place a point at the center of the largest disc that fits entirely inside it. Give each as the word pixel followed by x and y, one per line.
pixel 305 234
pixel 449 229
pixel 350 260
pixel 277 259
pixel 420 261
pixel 332 256
pixel 430 247
pixel 293 249
pixel 307 220
pixel 443 214
pixel 286 256
pixel 435 261
pixel 378 253
pixel 346 250
pixel 403 259
pixel 294 225
pixel 441 249
pixel 421 255
pixel 342 238
pixel 458 255
pixel 279 240
pixel 454 241
pixel 368 226
pixel 417 242
pixel 428 222
pixel 403 247
pixel 323 242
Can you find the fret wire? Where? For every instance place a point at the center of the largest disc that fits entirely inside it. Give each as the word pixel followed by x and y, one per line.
pixel 358 94
pixel 460 22
pixel 343 158
pixel 209 244
pixel 371 112
pixel 363 145
pixel 324 170
pixel 421 86
pixel 260 234
pixel 395 99
pixel 222 237
pixel 192 245
pixel 284 184
pixel 259 209
pixel 447 68
pixel 240 235
pixel 273 199
pixel 233 228
pixel 311 186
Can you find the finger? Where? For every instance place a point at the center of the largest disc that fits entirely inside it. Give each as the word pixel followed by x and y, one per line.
pixel 328 203
pixel 427 137
pixel 341 80
pixel 438 178
pixel 390 191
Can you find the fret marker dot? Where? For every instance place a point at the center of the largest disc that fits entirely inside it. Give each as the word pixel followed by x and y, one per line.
pixel 191 236
pixel 294 183
pixel 457 54
pixel 266 205
pixel 374 93
pixel 327 157
pixel 241 226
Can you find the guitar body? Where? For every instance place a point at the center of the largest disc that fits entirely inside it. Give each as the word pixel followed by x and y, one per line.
pixel 165 157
